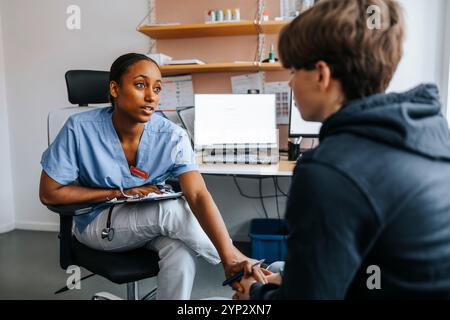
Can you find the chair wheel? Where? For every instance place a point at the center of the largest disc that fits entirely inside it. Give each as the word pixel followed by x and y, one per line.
pixel 105 296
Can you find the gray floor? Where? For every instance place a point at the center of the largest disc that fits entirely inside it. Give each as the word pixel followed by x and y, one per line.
pixel 29 269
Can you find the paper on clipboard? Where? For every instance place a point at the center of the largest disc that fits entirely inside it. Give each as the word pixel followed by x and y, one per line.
pixel 149 197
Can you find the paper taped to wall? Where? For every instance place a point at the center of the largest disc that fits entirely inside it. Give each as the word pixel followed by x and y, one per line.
pixel 241 84
pixel 282 93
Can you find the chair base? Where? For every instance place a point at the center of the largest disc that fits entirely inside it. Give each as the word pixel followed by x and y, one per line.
pixel 105 296
pixel 132 294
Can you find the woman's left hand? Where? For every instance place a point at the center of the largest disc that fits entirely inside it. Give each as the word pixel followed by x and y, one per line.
pixel 142 191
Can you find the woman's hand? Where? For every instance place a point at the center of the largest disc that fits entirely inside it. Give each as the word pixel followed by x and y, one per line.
pixel 142 191
pixel 242 262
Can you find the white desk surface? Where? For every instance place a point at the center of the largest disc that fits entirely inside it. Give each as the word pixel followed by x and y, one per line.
pixel 284 168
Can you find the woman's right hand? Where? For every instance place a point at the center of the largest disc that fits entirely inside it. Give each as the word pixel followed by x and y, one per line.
pixel 142 191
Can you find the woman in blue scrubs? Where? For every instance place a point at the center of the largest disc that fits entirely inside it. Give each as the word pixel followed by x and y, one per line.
pixel 125 151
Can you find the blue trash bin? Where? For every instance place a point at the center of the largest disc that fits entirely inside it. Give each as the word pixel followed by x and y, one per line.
pixel 268 239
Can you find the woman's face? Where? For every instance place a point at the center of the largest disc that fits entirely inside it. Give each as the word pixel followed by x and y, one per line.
pixel 138 94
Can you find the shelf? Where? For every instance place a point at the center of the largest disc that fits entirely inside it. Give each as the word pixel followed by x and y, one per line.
pixel 220 67
pixel 213 29
pixel 272 27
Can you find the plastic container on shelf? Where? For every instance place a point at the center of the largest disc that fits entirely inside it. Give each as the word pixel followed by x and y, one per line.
pixel 228 15
pixel 219 15
pixel 236 14
pixel 207 16
pixel 272 54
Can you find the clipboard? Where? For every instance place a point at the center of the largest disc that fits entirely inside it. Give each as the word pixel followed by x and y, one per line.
pixel 149 198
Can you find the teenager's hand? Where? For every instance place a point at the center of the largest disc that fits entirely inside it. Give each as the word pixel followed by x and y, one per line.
pixel 142 191
pixel 247 281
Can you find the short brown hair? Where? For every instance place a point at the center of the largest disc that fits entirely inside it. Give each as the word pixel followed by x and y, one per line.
pixel 336 31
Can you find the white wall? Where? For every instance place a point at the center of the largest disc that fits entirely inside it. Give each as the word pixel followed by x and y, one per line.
pixel 39 49
pixel 425 45
pixel 6 185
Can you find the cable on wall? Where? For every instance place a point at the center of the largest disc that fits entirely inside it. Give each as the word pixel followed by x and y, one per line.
pixel 254 197
pixel 151 20
pixel 262 199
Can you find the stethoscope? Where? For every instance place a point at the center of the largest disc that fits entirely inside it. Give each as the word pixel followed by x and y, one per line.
pixel 108 232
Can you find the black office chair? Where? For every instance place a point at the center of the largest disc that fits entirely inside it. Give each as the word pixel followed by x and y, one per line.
pixel 86 87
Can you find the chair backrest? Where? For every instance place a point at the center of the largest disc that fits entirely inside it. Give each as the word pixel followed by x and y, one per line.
pixel 187 117
pixel 84 87
pixel 87 86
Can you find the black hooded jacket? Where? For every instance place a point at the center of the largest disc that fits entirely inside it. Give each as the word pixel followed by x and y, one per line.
pixel 376 192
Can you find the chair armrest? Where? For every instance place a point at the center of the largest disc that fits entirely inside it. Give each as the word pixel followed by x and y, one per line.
pixel 73 209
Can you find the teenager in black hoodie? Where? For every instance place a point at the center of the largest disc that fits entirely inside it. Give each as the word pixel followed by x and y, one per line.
pixel 369 209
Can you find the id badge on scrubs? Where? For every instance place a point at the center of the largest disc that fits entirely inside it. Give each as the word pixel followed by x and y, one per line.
pixel 139 173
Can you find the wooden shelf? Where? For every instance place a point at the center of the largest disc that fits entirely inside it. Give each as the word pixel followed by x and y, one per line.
pixel 213 29
pixel 272 27
pixel 220 67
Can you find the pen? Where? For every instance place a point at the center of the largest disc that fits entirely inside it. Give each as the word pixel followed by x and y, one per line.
pixel 240 274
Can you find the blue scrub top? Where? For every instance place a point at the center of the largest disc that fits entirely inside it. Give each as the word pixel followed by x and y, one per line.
pixel 87 151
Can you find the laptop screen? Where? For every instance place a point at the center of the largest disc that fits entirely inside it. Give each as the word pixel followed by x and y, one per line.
pixel 235 119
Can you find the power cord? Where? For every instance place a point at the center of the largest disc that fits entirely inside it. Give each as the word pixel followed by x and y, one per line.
pixel 143 19
pixel 279 188
pixel 262 199
pixel 254 197
pixel 276 197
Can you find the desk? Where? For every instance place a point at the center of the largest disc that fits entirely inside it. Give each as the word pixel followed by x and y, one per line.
pixel 284 168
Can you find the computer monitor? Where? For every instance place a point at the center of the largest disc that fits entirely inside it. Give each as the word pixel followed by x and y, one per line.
pixel 298 127
pixel 235 119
